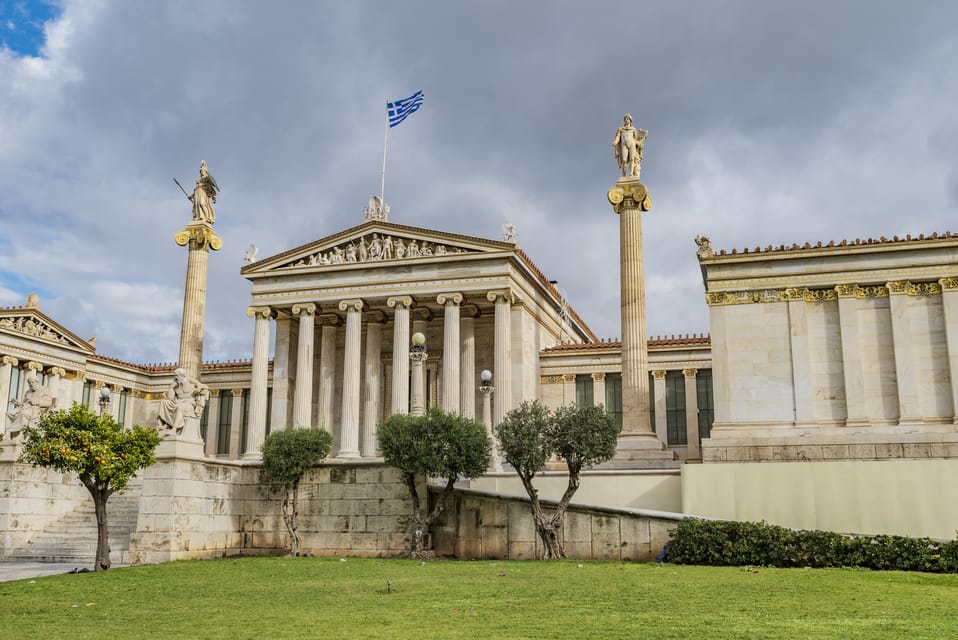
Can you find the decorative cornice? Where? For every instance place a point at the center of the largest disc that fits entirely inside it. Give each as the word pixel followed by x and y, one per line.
pixel 924 289
pixel 306 309
pixel 353 304
pixel 718 298
pixel 454 298
pixel 199 236
pixel 550 380
pixel 403 302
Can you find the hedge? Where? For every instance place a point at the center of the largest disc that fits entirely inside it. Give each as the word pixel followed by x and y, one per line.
pixel 720 543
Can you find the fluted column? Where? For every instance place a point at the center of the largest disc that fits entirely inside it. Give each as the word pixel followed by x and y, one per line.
pixel 327 369
pixel 6 369
pixel 502 353
pixel 372 382
pixel 212 424
pixel 467 366
pixel 629 199
pixel 256 427
pixel 661 408
pixel 349 434
pixel 694 450
pixel 400 372
pixel 303 396
pixel 908 409
pixel 450 351
pixel 201 238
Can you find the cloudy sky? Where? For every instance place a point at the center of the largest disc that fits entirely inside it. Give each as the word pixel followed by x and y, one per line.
pixel 770 123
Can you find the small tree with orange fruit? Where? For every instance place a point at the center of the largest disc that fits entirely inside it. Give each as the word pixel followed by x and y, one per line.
pixel 102 454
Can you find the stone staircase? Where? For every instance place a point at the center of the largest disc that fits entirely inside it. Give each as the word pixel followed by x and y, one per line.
pixel 72 538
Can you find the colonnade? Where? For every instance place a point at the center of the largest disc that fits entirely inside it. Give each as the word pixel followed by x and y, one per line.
pixel 360 371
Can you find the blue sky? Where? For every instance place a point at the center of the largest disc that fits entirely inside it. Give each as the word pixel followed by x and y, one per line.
pixel 21 25
pixel 769 123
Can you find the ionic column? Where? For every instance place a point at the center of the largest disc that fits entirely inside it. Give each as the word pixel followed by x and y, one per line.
pixel 400 372
pixel 908 407
pixel 856 412
pixel 629 199
pixel 256 428
pixel 451 390
pixel 694 451
pixel 502 403
pixel 201 238
pixel 349 434
pixel 598 389
pixel 372 381
pixel 7 363
pixel 661 408
pixel 303 395
pixel 467 368
pixel 949 304
pixel 327 369
pixel 212 423
pixel 236 424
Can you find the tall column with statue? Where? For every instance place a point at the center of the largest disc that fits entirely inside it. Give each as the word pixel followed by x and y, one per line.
pixel 629 198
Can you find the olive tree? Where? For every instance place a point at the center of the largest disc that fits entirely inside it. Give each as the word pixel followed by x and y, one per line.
pixel 439 444
pixel 579 436
pixel 287 456
pixel 104 456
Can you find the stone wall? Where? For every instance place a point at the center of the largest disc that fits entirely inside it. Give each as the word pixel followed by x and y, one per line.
pixel 479 524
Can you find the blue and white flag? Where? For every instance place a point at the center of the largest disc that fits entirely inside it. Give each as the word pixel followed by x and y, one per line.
pixel 401 109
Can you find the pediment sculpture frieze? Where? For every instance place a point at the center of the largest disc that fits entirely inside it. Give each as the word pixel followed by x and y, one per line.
pixel 376 247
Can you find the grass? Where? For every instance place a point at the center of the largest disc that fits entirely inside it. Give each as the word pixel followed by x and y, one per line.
pixel 330 598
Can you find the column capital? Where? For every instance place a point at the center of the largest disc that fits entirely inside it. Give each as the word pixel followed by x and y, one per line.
pixel 453 298
pixel 377 317
pixel 10 360
pixel 215 393
pixel 353 304
pixel 487 389
pixel 253 312
pixel 496 294
pixel 56 371
pixel 659 374
pixel 116 388
pixel 98 384
pixel 898 287
pixel 422 313
pixel 238 392
pixel 470 311
pixel 418 356
pixel 304 308
pixel 690 373
pixel 199 236
pixel 568 377
pixel 949 284
pixel 402 302
pixel 599 376
pixel 846 290
pixel 329 319
pixel 629 193
pixel 33 365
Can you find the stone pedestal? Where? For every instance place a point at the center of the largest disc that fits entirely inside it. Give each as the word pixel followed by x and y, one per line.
pixel 188 444
pixel 629 198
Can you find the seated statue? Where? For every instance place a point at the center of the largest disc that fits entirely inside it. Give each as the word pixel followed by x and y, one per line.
pixel 26 412
pixel 186 398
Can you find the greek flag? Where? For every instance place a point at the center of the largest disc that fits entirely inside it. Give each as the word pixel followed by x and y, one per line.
pixel 401 109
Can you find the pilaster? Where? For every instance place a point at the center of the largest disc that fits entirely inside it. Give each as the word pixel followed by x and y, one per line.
pixel 451 390
pixel 855 405
pixel 661 408
pixel 372 382
pixel 909 411
pixel 467 369
pixel 330 323
pixel 949 303
pixel 598 389
pixel 694 450
pixel 212 423
pixel 303 395
pixel 400 370
pixel 256 428
pixel 349 435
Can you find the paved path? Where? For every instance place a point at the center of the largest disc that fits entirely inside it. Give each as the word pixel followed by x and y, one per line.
pixel 23 570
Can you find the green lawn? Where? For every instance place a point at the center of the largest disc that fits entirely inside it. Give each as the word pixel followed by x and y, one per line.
pixel 330 598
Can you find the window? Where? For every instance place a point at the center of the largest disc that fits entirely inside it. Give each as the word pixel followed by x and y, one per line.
pixel 613 396
pixel 675 408
pixel 245 426
pixel 703 389
pixel 584 391
pixel 223 431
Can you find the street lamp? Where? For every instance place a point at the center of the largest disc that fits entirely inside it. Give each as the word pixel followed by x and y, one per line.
pixel 486 388
pixel 418 355
pixel 104 399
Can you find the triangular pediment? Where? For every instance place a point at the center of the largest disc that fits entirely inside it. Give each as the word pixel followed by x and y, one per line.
pixel 31 323
pixel 377 242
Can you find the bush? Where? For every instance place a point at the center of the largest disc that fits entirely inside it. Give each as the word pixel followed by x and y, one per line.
pixel 721 543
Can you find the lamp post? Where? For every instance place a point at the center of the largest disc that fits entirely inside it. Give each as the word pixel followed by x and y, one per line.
pixel 104 399
pixel 418 355
pixel 486 388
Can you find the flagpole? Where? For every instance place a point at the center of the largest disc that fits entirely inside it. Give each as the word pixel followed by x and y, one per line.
pixel 382 189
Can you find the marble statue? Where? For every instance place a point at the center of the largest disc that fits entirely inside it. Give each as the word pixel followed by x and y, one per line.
pixel 400 249
pixel 628 146
pixel 412 251
pixel 375 248
pixel 36 401
pixel 388 248
pixel 509 232
pixel 251 254
pixel 204 195
pixel 704 247
pixel 186 398
pixel 376 209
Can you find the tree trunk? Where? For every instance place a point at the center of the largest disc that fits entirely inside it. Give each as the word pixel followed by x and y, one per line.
pixel 101 494
pixel 417 525
pixel 545 527
pixel 290 511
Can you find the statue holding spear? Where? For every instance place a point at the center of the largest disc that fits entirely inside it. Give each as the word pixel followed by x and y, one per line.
pixel 204 195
